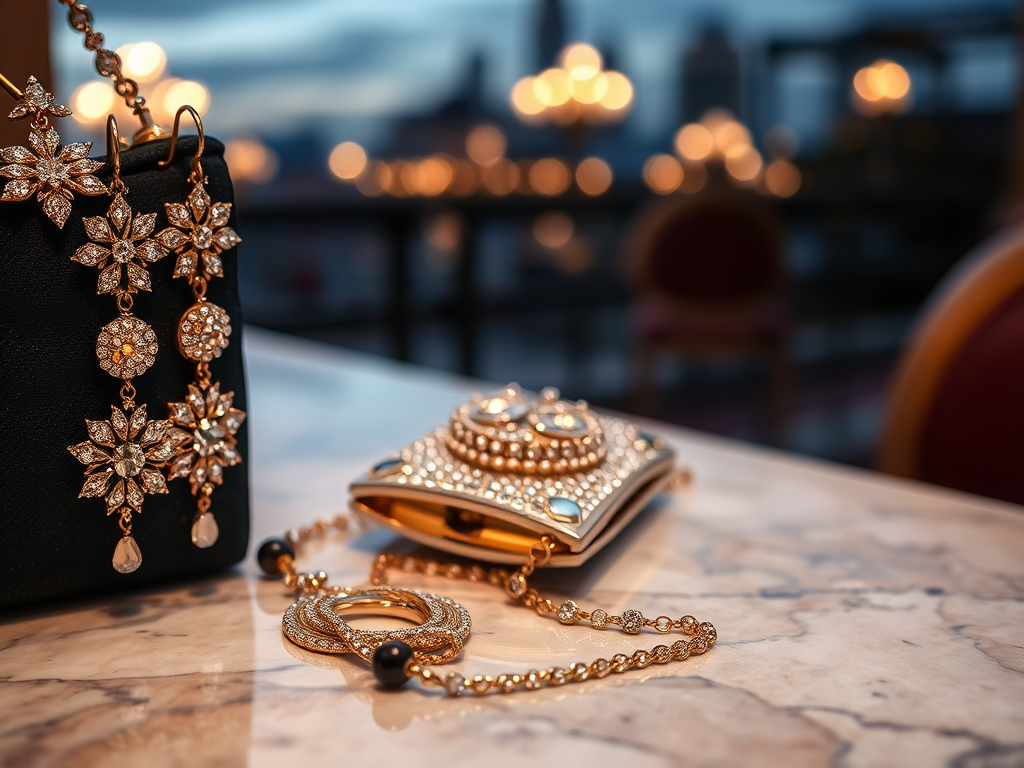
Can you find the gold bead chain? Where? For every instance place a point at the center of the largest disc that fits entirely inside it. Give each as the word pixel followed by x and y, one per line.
pixel 515 584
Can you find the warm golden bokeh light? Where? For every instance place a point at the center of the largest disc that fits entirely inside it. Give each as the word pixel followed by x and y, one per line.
pixel 375 180
pixel 729 135
pixel 467 179
pixel 743 162
pixel 591 90
pixel 881 87
pixel 184 92
pixel 500 178
pixel 443 232
pixel 581 61
pixel 694 142
pixel 93 101
pixel 551 87
pixel 347 160
pixel 524 100
pixel 593 176
pixel 695 176
pixel 486 144
pixel 430 176
pixel 553 229
pixel 618 93
pixel 549 176
pixel 143 62
pixel 250 160
pixel 663 174
pixel 782 178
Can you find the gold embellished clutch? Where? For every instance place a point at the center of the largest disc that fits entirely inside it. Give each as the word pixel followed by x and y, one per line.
pixel 509 470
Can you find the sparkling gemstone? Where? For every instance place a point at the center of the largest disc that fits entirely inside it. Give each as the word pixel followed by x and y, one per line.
pixel 564 510
pixel 386 467
pixel 498 407
pixel 599 618
pixel 203 237
pixel 516 585
pixel 52 171
pixel 205 531
pixel 128 460
pixel 560 423
pixel 123 251
pixel 208 435
pixel 127 556
pixel 567 612
pixel 632 622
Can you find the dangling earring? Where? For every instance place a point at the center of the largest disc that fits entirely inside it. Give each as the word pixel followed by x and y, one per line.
pixel 125 454
pixel 44 167
pixel 199 234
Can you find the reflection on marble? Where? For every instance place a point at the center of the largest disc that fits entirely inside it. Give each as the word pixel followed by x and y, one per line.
pixel 862 621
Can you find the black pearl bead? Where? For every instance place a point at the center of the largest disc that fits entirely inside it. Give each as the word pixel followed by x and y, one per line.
pixel 389 663
pixel 270 551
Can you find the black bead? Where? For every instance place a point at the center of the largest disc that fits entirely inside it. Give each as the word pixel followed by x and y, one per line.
pixel 270 551
pixel 389 663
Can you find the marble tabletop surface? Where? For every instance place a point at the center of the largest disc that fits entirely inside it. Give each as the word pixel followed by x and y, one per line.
pixel 862 621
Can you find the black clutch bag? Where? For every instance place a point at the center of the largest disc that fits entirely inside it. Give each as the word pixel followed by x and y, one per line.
pixel 64 367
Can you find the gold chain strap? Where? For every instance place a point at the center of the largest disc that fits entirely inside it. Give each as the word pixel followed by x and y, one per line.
pixel 515 584
pixel 108 63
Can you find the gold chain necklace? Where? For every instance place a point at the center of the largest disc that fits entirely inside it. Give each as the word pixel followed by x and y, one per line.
pixel 398 656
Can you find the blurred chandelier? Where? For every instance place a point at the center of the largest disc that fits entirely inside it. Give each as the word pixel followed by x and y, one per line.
pixel 579 90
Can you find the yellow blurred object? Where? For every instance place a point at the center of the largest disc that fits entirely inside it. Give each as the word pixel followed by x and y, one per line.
pixel 782 178
pixel 524 100
pixel 549 176
pixel 184 92
pixel 93 101
pixel 663 174
pixel 553 229
pixel 250 160
pixel 486 144
pixel 694 142
pixel 142 62
pixel 593 176
pixel 347 160
pixel 881 87
pixel 500 178
pixel 581 61
pixel 743 162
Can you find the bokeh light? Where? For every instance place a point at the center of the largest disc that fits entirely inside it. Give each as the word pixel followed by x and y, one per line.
pixel 549 176
pixel 663 174
pixel 347 160
pixel 143 62
pixel 593 176
pixel 553 229
pixel 500 178
pixel 694 142
pixel 250 160
pixel 581 61
pixel 524 100
pixel 881 87
pixel 467 179
pixel 782 178
pixel 551 87
pixel 93 101
pixel 743 162
pixel 618 93
pixel 182 92
pixel 486 144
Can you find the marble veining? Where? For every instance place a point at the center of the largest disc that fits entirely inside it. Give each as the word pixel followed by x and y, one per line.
pixel 863 621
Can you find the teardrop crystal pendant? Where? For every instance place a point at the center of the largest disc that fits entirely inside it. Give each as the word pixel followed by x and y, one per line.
pixel 127 556
pixel 205 531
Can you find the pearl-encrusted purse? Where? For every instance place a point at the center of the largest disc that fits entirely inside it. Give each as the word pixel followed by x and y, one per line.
pixel 508 470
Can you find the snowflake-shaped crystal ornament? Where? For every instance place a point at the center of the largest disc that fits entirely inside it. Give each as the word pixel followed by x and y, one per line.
pixel 204 427
pixel 199 234
pixel 119 241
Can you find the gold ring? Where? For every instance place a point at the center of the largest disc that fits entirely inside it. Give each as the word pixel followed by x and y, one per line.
pixel 441 629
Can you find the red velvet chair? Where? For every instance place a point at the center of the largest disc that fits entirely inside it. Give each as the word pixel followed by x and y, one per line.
pixel 956 410
pixel 709 277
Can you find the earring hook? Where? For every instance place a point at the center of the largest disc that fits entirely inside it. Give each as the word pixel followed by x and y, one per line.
pixel 197 169
pixel 117 185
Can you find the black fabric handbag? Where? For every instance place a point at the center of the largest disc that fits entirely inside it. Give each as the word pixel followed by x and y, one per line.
pixel 52 543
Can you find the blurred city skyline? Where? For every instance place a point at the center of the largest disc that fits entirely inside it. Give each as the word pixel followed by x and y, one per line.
pixel 348 71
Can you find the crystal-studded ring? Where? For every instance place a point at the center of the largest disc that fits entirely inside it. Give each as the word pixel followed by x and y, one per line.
pixel 441 628
pixel 507 431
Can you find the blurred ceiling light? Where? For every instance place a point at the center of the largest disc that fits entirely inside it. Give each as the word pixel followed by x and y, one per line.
pixel 782 178
pixel 524 100
pixel 694 142
pixel 781 142
pixel 730 134
pixel 486 144
pixel 143 62
pixel 553 229
pixel 593 176
pixel 619 92
pixel 552 87
pixel 443 232
pixel 250 160
pixel 400 173
pixel 500 178
pixel 743 162
pixel 549 176
pixel 185 92
pixel 466 180
pixel 431 176
pixel 663 174
pixel 93 101
pixel 580 61
pixel 347 160
pixel 881 87
pixel 591 90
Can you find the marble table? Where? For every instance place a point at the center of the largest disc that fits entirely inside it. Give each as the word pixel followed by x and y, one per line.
pixel 863 620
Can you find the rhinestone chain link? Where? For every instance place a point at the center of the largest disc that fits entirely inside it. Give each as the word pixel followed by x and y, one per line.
pixel 516 586
pixel 108 63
